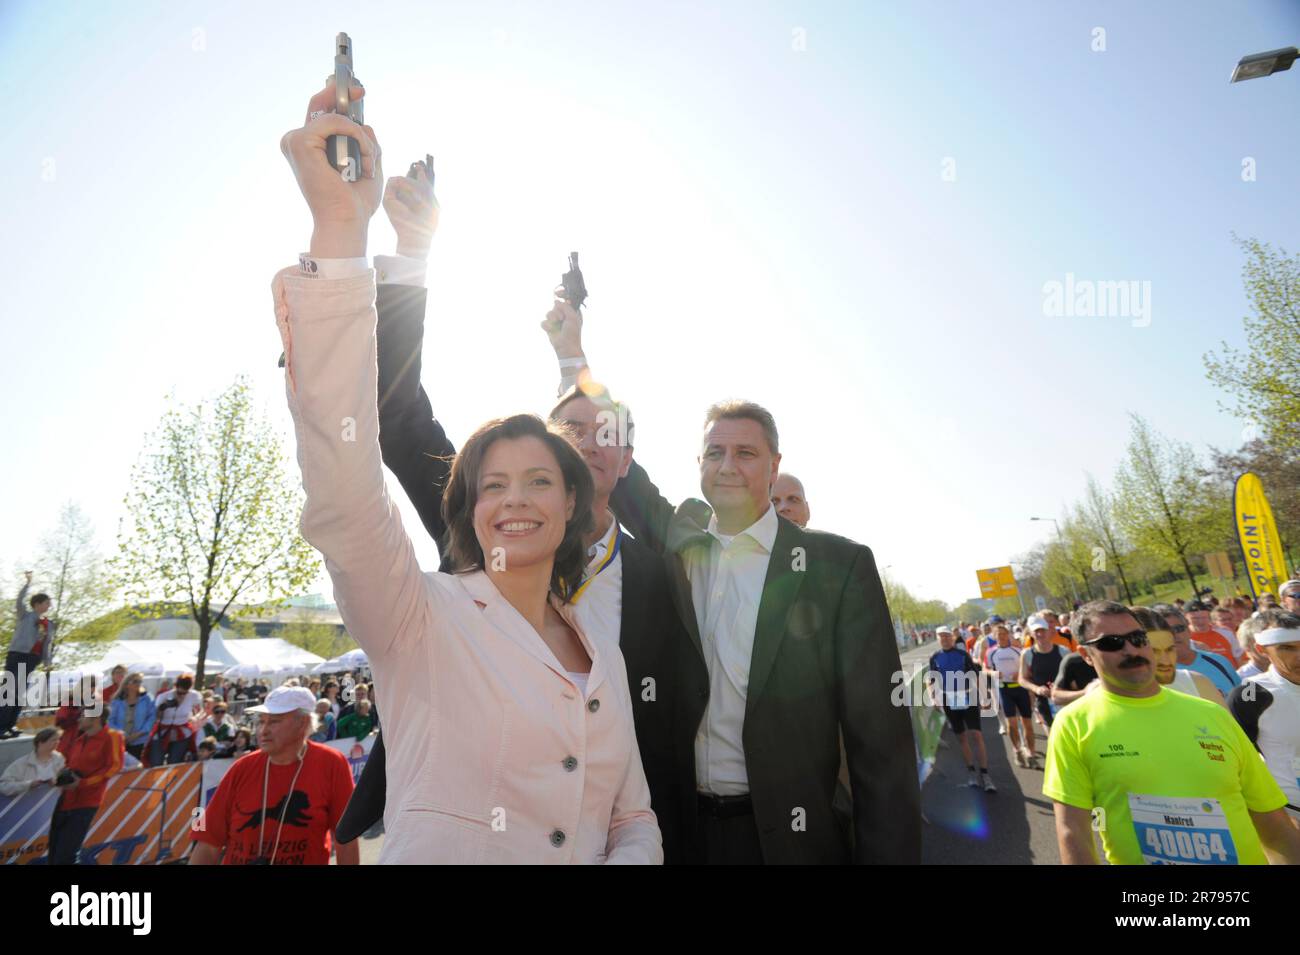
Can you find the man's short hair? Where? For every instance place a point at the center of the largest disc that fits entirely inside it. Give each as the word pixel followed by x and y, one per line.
pixel 39 599
pixel 1148 619
pixel 209 744
pixel 1169 610
pixel 734 408
pixel 1270 619
pixel 1193 606
pixel 598 395
pixel 1087 616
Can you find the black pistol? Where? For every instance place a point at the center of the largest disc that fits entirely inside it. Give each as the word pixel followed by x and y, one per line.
pixel 575 289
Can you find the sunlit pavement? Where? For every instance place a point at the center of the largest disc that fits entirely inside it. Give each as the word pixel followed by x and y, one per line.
pixel 964 826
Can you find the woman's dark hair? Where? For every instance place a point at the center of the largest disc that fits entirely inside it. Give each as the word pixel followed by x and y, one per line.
pixel 458 503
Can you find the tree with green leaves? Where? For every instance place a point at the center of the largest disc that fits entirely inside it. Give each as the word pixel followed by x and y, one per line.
pixel 78 583
pixel 70 568
pixel 1067 560
pixel 323 639
pixel 1264 379
pixel 213 517
pixel 1095 516
pixel 1163 502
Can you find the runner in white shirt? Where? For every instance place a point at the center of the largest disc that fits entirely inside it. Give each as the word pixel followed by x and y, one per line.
pixel 1268 706
pixel 1005 659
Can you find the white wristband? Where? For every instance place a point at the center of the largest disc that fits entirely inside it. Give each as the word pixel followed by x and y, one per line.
pixel 573 363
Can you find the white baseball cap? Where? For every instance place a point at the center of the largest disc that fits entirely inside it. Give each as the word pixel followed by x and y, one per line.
pixel 286 699
pixel 1037 623
pixel 943 629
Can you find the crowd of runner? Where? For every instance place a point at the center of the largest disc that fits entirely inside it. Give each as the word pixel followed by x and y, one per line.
pixel 1173 731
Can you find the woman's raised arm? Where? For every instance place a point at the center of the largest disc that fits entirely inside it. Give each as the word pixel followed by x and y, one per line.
pixel 326 316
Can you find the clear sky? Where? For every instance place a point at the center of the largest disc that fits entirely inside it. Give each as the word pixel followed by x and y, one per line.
pixel 761 212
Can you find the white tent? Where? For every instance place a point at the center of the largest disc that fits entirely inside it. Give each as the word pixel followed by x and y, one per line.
pixel 170 658
pixel 272 654
pixel 355 659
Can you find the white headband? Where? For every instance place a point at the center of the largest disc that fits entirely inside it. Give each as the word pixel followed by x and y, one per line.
pixel 1269 638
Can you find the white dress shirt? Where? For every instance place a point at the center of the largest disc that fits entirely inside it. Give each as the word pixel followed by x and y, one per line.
pixel 727 587
pixel 599 601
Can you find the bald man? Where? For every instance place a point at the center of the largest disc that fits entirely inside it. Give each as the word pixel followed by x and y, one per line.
pixel 789 500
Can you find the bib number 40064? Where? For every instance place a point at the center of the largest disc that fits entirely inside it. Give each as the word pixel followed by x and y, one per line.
pixel 1187 846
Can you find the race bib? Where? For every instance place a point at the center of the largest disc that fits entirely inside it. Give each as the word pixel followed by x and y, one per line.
pixel 1182 831
pixel 958 699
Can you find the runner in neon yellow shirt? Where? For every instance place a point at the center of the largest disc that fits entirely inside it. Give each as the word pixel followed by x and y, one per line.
pixel 1174 777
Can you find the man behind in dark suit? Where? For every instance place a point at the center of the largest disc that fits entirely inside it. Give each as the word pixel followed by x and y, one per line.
pixel 791 648
pixel 625 596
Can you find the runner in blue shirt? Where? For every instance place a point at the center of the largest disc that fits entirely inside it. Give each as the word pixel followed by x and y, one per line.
pixel 957 681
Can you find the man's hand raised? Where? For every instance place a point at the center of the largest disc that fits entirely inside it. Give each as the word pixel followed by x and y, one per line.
pixel 413 210
pixel 340 210
pixel 563 326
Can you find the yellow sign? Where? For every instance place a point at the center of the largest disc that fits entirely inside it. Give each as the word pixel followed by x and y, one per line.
pixel 997 582
pixel 1219 565
pixel 1260 545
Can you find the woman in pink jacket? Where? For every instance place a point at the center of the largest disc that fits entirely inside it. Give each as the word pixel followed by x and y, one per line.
pixel 511 731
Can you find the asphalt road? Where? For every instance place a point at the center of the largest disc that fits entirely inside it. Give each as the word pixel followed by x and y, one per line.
pixel 964 826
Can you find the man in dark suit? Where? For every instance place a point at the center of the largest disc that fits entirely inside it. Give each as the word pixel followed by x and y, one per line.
pixel 791 649
pixel 625 595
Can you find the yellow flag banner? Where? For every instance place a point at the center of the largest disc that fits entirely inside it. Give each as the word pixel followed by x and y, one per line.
pixel 1260 544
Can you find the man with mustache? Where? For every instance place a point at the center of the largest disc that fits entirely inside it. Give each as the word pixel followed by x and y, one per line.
pixel 1164 777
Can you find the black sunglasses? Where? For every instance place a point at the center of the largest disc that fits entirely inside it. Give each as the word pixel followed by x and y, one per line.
pixel 1115 641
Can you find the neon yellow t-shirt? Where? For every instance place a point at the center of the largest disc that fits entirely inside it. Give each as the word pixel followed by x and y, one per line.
pixel 1174 776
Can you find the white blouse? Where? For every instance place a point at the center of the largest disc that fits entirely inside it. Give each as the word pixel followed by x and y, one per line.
pixel 22 772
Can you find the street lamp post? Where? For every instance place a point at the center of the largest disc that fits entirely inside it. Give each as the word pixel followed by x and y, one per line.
pixel 1259 65
pixel 1061 541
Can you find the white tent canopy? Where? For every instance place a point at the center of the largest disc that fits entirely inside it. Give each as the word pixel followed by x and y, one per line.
pixel 272 654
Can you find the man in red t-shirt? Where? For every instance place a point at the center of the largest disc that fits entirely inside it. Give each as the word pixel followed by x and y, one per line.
pixel 280 804
pixel 1208 638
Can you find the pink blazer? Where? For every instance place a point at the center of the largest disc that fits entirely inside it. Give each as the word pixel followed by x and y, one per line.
pixel 494 755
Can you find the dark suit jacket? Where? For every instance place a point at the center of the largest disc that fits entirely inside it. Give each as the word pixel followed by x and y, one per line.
pixel 823 661
pixel 416 449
